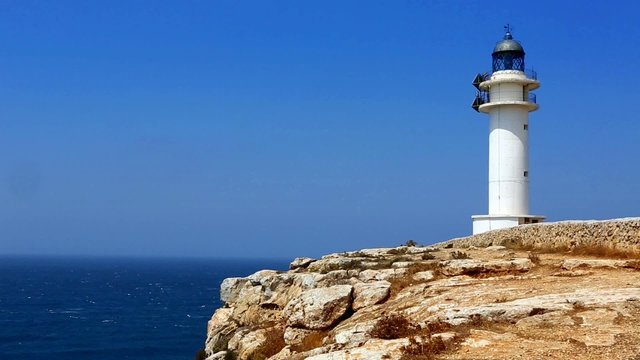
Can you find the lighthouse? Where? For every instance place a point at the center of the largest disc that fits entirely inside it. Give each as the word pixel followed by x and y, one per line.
pixel 506 96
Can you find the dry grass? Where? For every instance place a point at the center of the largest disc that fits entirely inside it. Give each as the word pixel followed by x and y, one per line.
pixel 423 350
pixel 459 255
pixel 394 326
pixel 534 258
pixel 422 345
pixel 428 256
pixel 407 280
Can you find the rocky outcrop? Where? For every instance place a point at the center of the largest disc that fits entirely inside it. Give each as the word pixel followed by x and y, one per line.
pixel 470 266
pixel 318 309
pixel 372 293
pixel 491 296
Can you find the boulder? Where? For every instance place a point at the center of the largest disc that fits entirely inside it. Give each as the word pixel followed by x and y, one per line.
pixel 423 276
pixel 319 309
pixel 367 294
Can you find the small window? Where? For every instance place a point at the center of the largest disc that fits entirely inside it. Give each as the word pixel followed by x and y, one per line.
pixel 526 174
pixel 526 126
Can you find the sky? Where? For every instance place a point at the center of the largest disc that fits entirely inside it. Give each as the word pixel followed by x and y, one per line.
pixel 276 129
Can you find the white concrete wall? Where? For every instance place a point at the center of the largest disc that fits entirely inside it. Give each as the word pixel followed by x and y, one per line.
pixel 506 92
pixel 482 225
pixel 508 158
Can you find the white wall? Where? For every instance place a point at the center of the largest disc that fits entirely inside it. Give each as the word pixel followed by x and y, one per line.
pixel 481 225
pixel 508 156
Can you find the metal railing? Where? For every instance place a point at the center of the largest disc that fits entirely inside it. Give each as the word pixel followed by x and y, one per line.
pixel 530 73
pixel 483 97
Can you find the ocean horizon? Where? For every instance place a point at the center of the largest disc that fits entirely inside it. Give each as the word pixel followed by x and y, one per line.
pixel 110 307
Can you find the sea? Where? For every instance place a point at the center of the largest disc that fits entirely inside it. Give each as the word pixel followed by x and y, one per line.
pixel 99 308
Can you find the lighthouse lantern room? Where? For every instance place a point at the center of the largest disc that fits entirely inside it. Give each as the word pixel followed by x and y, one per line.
pixel 505 95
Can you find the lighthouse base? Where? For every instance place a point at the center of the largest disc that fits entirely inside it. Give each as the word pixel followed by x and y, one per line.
pixel 484 223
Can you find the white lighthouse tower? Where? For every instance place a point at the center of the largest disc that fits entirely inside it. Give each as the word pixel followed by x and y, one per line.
pixel 505 96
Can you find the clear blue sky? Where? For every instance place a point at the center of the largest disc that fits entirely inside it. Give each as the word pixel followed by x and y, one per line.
pixel 291 128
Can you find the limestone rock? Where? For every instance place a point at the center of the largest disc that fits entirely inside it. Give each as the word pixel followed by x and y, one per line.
pixel 471 266
pixel 402 264
pixel 515 310
pixel 221 355
pixel 367 294
pixel 540 312
pixel 284 354
pixel 383 274
pixel 219 329
pixel 246 343
pixel 296 336
pixel 355 334
pixel 326 265
pixel 548 320
pixel 319 308
pixel 301 262
pixel 374 349
pixel 601 329
pixel 230 288
pixel 423 276
pixel 570 264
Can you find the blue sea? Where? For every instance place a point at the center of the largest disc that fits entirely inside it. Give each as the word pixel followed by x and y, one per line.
pixel 65 308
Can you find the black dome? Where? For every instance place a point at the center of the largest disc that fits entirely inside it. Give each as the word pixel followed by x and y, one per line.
pixel 508 44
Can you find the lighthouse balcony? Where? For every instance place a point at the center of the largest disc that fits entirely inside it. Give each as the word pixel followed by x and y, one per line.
pixel 528 73
pixel 484 100
pixel 527 79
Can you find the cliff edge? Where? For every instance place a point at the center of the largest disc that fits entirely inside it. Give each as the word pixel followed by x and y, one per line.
pixel 566 290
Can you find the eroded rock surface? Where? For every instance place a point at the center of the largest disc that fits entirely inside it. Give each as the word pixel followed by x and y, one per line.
pixel 491 296
pixel 319 309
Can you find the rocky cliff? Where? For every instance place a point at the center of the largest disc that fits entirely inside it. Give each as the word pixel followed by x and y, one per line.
pixel 568 290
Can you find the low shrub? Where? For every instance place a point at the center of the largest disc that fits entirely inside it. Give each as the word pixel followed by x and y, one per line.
pixel 394 326
pixel 428 256
pixel 534 258
pixel 458 255
pixel 423 350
